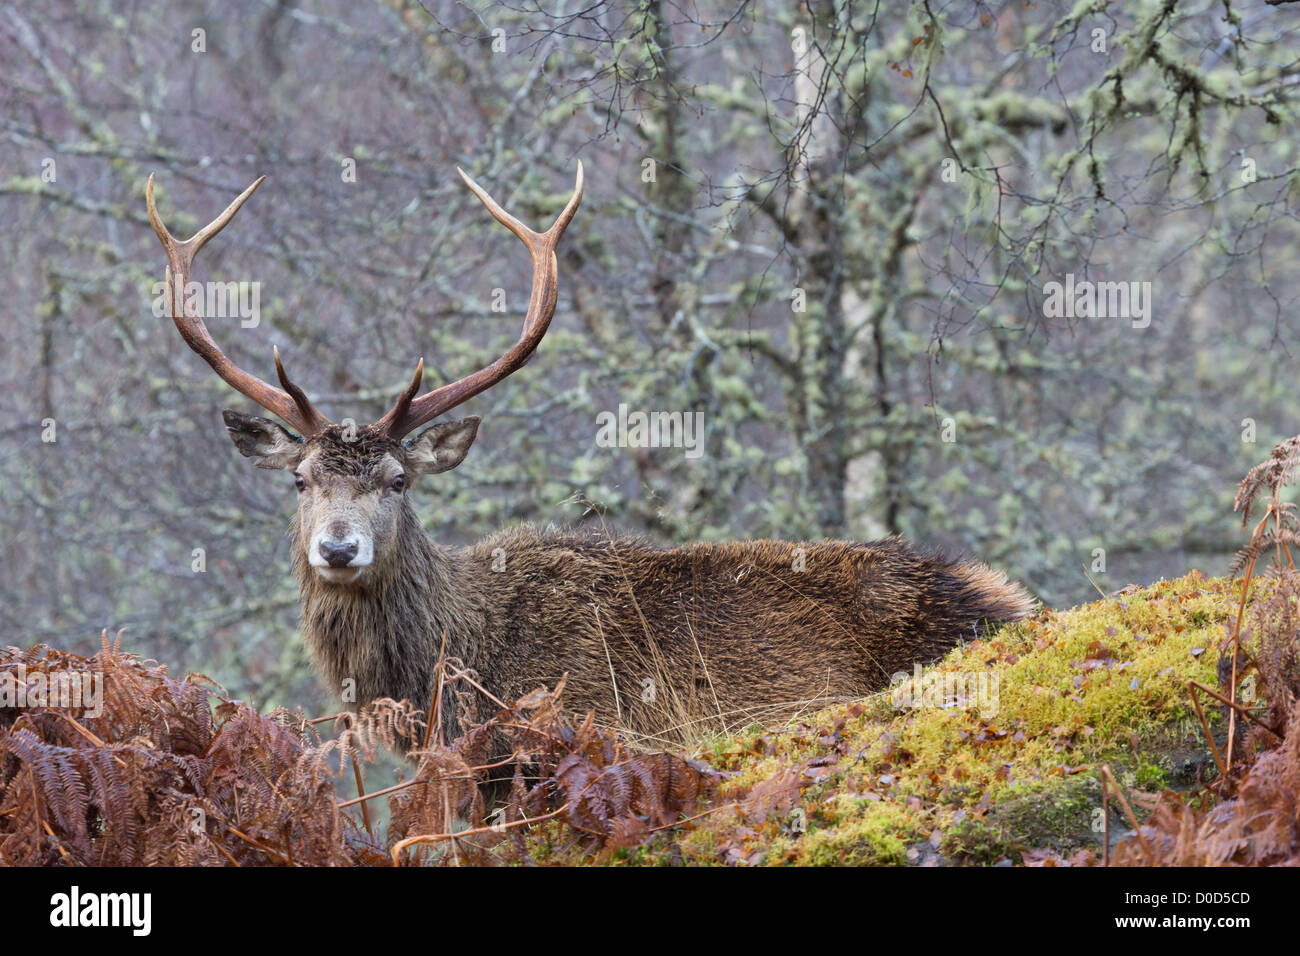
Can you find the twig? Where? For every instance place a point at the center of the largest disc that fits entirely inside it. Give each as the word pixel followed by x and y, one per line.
pixel 89 736
pixel 412 782
pixel 495 828
pixel 464 675
pixel 261 846
pixel 1105 824
pixel 1205 726
pixel 62 852
pixel 1236 627
pixel 1128 812
pixel 435 705
pixel 36 808
pixel 1237 707
pixel 684 820
pixel 321 720
pixel 383 793
pixel 224 852
pixel 361 794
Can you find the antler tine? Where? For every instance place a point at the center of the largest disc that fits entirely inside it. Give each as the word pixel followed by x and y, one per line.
pixel 291 404
pixel 410 412
pixel 313 421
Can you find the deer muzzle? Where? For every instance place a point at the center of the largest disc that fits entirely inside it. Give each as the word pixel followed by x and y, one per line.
pixel 340 555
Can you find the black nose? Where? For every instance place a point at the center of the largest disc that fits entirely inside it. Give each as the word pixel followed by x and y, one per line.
pixel 337 553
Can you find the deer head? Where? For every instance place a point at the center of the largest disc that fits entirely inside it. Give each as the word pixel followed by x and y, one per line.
pixel 352 483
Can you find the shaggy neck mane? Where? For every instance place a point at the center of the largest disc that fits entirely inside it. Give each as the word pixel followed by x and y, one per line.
pixel 385 635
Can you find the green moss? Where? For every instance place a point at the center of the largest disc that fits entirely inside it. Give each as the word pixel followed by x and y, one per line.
pixel 866 839
pixel 1057 816
pixel 1151 777
pixel 982 778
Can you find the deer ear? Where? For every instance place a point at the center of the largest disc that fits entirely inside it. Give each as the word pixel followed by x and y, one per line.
pixel 272 445
pixel 441 447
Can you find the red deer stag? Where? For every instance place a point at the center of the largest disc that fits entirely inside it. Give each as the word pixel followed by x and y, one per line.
pixel 644 633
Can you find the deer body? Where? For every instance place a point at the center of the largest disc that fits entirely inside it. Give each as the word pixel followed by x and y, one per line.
pixel 648 637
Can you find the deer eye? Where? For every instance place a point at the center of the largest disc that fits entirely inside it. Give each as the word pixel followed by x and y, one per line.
pixel 398 483
pixel 298 482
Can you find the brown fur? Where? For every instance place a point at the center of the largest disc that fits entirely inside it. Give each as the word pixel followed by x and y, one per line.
pixel 727 629
pixel 647 635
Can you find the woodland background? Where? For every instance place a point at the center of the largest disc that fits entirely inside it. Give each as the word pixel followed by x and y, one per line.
pixel 793 147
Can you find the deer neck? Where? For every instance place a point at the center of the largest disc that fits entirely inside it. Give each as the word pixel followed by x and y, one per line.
pixel 383 638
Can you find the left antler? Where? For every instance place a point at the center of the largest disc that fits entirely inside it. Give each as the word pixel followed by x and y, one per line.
pixel 411 412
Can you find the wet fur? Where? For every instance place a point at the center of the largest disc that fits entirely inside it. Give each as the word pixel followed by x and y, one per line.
pixel 724 628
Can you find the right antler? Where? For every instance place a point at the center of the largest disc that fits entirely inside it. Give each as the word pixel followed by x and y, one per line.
pixel 291 404
pixel 411 412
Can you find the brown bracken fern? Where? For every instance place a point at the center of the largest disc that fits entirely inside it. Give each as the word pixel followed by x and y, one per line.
pixel 172 772
pixel 1251 814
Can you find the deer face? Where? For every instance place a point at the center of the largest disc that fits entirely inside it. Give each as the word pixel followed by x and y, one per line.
pixel 352 485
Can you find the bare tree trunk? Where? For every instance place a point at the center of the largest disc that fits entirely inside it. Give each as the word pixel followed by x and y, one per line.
pixel 819 159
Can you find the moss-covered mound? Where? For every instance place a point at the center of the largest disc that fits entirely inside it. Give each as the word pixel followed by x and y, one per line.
pixel 991 756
